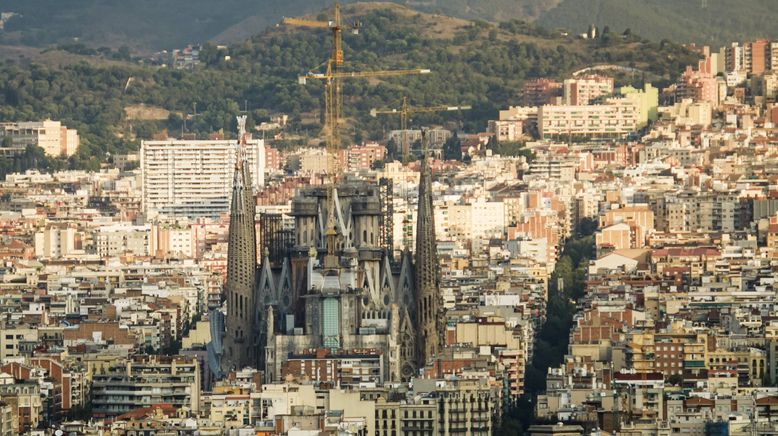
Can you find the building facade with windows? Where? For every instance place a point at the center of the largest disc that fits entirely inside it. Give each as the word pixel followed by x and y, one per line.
pixel 144 381
pixel 182 178
pixel 54 138
pixel 617 118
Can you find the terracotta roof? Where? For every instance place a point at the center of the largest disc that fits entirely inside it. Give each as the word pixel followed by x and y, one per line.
pixel 767 401
pixel 144 412
pixel 640 376
pixel 699 401
pixel 685 251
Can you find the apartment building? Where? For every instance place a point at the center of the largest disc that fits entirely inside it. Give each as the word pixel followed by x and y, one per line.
pixel 57 386
pixel 552 168
pixel 55 139
pixel 616 118
pixel 493 331
pixel 361 157
pixel 537 92
pixel 230 407
pixel 316 161
pixel 773 55
pixel 626 227
pixel 147 380
pixel 167 240
pixel 584 90
pixel 436 137
pixel 519 113
pixel 646 100
pixel 14 340
pixel 514 122
pixel 346 368
pixel 122 238
pixel 706 211
pixel 182 178
pixel 274 161
pixel 700 86
pixel 464 406
pixel 7 416
pixel 509 130
pixel 395 417
pixel 56 242
pixel 474 220
pixel 767 85
pixel 690 113
pixel 754 57
pixel 757 53
pixel 734 57
pixel 24 400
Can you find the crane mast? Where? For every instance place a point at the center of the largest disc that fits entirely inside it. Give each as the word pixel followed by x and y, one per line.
pixel 405 111
pixel 332 77
pixel 332 90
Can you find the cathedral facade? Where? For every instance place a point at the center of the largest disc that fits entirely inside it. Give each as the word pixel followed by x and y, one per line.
pixel 332 283
pixel 338 286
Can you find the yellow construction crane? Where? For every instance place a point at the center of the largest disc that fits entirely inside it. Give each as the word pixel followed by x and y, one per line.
pixel 332 96
pixel 332 99
pixel 332 74
pixel 405 111
pixel 332 102
pixel 332 114
pixel 335 26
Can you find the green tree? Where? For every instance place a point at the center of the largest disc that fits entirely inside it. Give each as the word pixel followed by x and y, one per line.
pixel 378 165
pixel 209 54
pixel 292 164
pixel 81 412
pixel 675 380
pixel 123 53
pixel 567 282
pixel 513 149
pixel 452 148
pixel 391 150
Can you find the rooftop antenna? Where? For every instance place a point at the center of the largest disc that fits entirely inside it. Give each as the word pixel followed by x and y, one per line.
pixel 186 115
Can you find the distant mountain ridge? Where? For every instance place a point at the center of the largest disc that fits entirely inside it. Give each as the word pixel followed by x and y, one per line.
pixel 147 25
pixel 114 101
pixel 151 25
pixel 712 22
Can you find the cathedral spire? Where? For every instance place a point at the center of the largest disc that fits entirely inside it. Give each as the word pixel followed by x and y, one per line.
pixel 427 270
pixel 241 263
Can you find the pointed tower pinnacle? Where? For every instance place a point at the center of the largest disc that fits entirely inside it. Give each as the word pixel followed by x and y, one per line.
pixel 241 263
pixel 427 271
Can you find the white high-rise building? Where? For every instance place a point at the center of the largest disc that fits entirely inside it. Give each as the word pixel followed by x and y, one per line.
pixel 182 178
